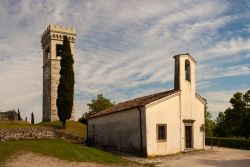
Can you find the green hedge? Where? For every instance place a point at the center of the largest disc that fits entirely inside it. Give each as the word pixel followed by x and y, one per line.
pixel 228 142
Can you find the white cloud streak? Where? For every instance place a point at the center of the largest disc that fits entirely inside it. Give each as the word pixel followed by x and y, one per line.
pixel 121 47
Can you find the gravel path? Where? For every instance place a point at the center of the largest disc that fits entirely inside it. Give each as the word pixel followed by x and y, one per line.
pixel 222 157
pixel 34 160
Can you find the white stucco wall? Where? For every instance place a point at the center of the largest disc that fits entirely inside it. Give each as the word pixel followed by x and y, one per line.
pixel 199 117
pixel 164 111
pixel 177 112
pixel 120 131
pixel 191 107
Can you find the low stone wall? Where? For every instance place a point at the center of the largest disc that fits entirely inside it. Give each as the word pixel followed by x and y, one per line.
pixel 34 133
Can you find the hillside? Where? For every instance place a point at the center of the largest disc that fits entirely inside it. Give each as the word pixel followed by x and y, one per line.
pixel 58 148
pixel 61 149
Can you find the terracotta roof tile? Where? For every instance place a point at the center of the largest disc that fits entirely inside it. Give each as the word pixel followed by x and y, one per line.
pixel 138 102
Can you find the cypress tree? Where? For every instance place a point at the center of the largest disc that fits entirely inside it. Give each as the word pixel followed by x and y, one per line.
pixel 26 119
pixel 18 115
pixel 65 90
pixel 32 118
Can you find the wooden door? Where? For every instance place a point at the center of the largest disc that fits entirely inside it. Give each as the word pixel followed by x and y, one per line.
pixel 188 135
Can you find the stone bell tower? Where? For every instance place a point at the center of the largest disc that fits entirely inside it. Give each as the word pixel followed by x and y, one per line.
pixel 52 40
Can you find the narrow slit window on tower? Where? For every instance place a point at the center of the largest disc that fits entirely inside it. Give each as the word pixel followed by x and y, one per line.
pixel 58 49
pixel 187 70
pixel 47 53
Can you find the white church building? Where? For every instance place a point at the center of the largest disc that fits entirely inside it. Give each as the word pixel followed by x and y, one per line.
pixel 164 123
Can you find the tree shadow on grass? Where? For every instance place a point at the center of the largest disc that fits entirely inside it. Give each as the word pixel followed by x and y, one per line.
pixel 227 163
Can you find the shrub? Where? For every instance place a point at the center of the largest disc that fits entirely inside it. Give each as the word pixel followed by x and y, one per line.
pixel 228 142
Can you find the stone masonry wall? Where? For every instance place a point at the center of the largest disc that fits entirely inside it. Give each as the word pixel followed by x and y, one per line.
pixel 55 76
pixel 53 36
pixel 34 133
pixel 8 115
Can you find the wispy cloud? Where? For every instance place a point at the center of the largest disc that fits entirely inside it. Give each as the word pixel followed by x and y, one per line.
pixel 123 50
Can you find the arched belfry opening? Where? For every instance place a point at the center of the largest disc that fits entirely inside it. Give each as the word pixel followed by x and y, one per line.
pixel 184 76
pixel 187 70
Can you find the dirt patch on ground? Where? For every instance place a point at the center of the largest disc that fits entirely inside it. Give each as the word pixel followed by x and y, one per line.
pixel 34 160
pixel 216 157
pixel 31 160
pixel 222 157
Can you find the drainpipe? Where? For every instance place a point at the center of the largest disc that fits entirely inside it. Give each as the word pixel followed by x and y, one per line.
pixel 141 137
pixel 180 122
pixel 203 140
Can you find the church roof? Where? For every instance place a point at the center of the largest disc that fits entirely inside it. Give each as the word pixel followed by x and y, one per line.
pixel 134 103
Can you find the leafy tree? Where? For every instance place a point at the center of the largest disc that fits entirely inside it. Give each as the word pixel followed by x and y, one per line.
pixel 19 115
pixel 83 119
pixel 237 101
pixel 246 99
pixel 235 116
pixel 66 86
pixel 246 115
pixel 235 121
pixel 98 104
pixel 32 118
pixel 209 124
pixel 221 128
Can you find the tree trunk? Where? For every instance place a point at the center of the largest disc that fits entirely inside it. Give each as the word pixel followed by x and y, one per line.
pixel 63 124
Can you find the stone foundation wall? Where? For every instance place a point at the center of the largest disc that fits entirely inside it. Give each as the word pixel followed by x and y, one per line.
pixel 34 133
pixel 8 115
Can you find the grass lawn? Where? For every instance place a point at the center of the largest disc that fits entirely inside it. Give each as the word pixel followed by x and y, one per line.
pixel 62 149
pixel 14 124
pixel 72 127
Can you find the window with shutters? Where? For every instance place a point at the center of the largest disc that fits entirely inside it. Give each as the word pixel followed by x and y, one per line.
pixel 161 132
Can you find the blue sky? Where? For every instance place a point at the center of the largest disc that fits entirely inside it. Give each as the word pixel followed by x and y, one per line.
pixel 125 50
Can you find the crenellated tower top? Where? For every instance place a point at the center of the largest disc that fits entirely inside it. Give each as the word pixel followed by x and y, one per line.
pixel 56 32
